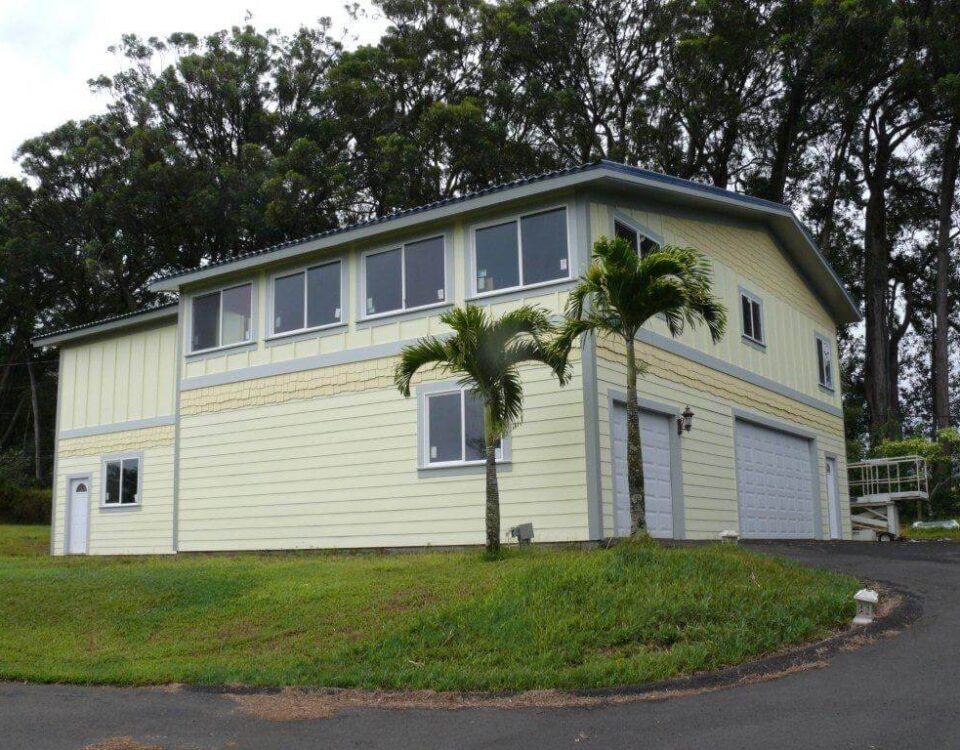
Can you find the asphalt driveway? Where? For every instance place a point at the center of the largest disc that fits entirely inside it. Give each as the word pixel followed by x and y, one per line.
pixel 898 692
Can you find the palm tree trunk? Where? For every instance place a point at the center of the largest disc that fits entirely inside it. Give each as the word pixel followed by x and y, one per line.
pixel 493 489
pixel 634 448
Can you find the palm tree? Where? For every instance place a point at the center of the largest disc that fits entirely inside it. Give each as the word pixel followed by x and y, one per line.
pixel 618 294
pixel 485 353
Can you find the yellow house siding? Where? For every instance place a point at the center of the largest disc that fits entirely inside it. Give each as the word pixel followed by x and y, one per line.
pixel 315 464
pixel 746 256
pixel 147 529
pixel 119 379
pixel 708 465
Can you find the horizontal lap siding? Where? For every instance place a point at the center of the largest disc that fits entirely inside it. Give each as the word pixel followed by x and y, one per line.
pixel 147 529
pixel 708 465
pixel 309 461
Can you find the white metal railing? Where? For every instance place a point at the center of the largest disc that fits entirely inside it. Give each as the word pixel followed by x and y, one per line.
pixel 904 477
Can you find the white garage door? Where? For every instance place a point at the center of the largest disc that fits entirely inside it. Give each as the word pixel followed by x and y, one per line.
pixel 775 483
pixel 655 439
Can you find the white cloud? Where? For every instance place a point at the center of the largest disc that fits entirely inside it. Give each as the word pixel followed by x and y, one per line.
pixel 49 49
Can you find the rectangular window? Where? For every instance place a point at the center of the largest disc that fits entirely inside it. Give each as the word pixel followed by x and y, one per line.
pixel 307 299
pixel 751 311
pixel 455 431
pixel 222 318
pixel 531 250
pixel 405 278
pixel 638 241
pixel 824 362
pixel 121 481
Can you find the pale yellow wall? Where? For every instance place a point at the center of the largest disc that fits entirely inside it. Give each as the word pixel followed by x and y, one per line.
pixel 312 460
pixel 709 469
pixel 357 333
pixel 744 256
pixel 124 377
pixel 147 529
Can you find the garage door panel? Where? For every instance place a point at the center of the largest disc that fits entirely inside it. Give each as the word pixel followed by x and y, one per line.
pixel 774 483
pixel 657 472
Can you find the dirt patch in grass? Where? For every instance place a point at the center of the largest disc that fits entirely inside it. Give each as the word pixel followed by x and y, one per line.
pixel 121 743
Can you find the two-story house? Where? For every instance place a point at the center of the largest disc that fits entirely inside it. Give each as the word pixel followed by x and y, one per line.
pixel 259 412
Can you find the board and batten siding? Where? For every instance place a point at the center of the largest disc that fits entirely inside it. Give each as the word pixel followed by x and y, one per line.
pixel 121 378
pixel 707 452
pixel 744 256
pixel 327 458
pixel 106 384
pixel 144 529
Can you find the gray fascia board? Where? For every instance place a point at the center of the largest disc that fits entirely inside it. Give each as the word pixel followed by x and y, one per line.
pixel 133 321
pixel 842 307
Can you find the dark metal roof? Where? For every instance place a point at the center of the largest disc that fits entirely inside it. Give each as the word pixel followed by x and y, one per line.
pixel 390 217
pixel 124 316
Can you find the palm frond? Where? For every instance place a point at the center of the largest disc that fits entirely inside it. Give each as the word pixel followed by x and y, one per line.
pixel 425 352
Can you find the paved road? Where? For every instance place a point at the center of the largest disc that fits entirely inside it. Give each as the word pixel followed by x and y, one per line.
pixel 899 692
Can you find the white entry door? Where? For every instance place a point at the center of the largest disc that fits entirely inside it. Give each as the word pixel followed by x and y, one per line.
pixel 774 483
pixel 657 473
pixel 833 504
pixel 79 516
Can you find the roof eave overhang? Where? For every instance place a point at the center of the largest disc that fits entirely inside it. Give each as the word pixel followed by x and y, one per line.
pixel 150 317
pixel 795 241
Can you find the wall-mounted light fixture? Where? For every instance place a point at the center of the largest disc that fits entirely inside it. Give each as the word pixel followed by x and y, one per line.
pixel 685 421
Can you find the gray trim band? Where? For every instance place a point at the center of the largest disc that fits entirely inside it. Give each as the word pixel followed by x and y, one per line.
pixel 683 350
pixel 347 356
pixel 105 429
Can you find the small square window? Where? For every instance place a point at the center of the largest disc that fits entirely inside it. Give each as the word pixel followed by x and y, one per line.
pixel 751 311
pixel 455 429
pixel 222 318
pixel 405 278
pixel 530 250
pixel 121 482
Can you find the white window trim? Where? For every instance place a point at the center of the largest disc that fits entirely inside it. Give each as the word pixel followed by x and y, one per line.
pixel 114 458
pixel 272 299
pixel 219 291
pixel 753 298
pixel 825 348
pixel 516 217
pixel 402 247
pixel 424 393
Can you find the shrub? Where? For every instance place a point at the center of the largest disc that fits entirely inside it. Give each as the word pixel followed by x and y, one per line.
pixel 30 505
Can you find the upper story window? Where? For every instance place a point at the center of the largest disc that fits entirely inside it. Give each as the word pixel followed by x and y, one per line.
pixel 525 251
pixel 407 277
pixel 455 431
pixel 751 315
pixel 637 239
pixel 824 361
pixel 307 299
pixel 222 318
pixel 121 481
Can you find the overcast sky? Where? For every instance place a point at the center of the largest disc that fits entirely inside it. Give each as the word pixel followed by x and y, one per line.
pixel 50 48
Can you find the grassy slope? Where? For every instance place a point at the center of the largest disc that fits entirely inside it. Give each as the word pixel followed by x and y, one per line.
pixel 909 532
pixel 544 618
pixel 24 541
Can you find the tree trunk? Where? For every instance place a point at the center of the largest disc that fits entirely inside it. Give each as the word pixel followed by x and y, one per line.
pixel 634 448
pixel 11 424
pixel 35 402
pixel 940 370
pixel 493 489
pixel 880 382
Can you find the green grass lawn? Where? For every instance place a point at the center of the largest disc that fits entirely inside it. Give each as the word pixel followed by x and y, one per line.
pixel 24 541
pixel 450 621
pixel 909 532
